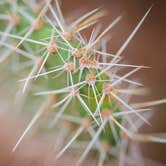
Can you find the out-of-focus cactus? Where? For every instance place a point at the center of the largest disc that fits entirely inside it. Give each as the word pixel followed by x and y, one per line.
pixel 77 77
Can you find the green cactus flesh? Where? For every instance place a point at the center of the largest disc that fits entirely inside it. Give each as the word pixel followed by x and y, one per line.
pixel 44 34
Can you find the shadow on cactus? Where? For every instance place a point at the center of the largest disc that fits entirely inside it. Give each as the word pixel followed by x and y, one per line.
pixel 76 80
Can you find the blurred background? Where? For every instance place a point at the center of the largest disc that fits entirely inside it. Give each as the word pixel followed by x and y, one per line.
pixel 147 48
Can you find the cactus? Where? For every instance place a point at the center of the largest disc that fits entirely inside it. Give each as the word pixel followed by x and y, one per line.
pixel 77 80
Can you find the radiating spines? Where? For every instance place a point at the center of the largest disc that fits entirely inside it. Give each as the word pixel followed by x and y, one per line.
pixel 91 94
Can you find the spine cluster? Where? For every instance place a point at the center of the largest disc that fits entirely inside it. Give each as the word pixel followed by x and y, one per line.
pixel 79 80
